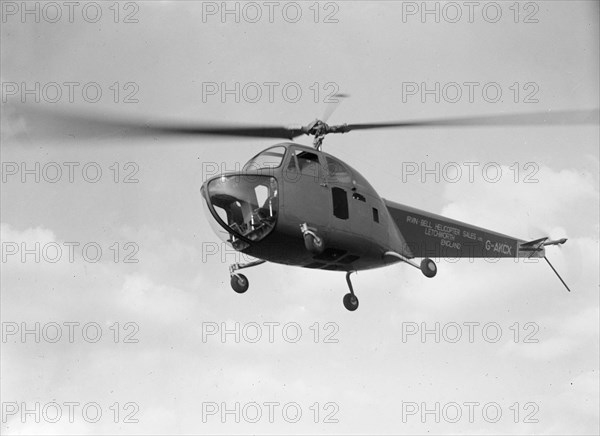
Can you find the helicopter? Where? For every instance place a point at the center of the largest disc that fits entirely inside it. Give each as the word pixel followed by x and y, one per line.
pixel 297 205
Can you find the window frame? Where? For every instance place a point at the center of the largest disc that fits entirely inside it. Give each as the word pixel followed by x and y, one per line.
pixel 285 150
pixel 294 151
pixel 332 177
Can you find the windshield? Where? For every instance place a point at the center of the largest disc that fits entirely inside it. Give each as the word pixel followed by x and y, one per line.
pixel 270 158
pixel 244 205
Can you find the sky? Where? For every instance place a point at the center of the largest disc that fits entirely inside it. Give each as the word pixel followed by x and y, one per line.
pixel 151 334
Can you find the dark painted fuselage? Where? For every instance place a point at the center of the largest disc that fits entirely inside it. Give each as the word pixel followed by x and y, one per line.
pixel 314 188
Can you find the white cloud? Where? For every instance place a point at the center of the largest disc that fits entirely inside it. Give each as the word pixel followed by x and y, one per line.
pixel 563 198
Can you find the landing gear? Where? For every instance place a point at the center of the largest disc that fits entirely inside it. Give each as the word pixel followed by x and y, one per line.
pixel 428 267
pixel 350 300
pixel 239 282
pixel 312 242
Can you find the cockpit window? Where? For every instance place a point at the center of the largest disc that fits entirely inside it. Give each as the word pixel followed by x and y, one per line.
pixel 307 162
pixel 306 159
pixel 244 205
pixel 270 158
pixel 336 171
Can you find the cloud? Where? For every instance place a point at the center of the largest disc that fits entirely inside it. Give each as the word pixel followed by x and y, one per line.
pixel 13 125
pixel 564 198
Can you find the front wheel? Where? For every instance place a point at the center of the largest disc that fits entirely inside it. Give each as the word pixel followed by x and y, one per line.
pixel 239 283
pixel 350 302
pixel 314 244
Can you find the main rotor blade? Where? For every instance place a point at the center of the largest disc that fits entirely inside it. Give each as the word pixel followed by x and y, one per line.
pixel 573 117
pixel 333 105
pixel 61 123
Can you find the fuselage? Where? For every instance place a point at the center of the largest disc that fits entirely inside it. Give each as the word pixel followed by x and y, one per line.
pixel 261 209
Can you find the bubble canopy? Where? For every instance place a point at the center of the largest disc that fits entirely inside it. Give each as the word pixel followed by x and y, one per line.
pixel 245 205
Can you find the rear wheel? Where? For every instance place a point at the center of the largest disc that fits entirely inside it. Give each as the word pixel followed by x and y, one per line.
pixel 428 267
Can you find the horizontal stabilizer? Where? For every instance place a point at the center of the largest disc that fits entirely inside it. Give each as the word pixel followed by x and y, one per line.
pixel 557 242
pixel 535 243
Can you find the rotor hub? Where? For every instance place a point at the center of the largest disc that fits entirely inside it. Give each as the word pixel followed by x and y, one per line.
pixel 318 128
